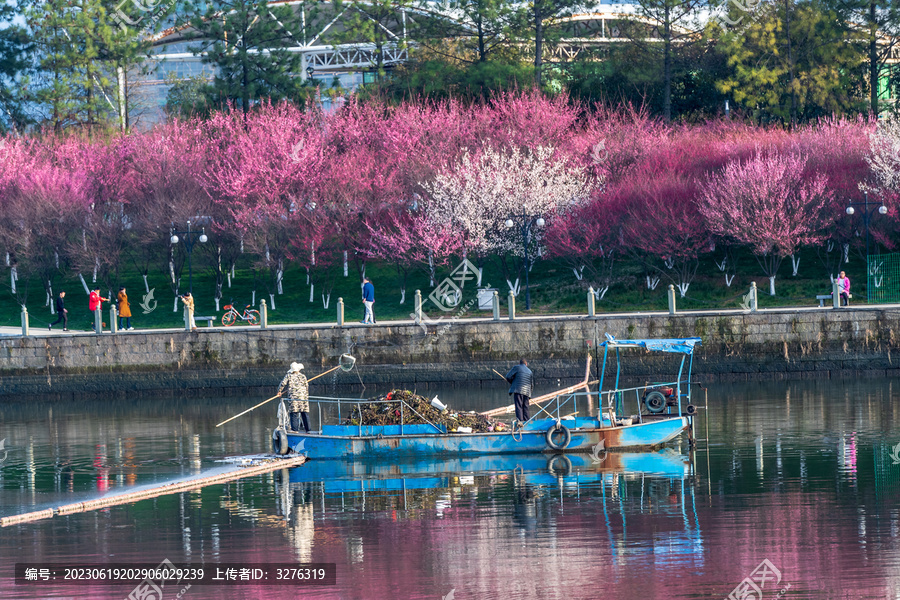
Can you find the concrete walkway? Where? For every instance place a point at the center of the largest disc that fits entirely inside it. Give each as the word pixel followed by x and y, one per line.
pixel 435 321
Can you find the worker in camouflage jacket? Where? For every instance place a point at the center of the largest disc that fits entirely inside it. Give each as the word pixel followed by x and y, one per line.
pixel 298 394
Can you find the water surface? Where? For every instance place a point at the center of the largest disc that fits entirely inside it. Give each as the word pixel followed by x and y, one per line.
pixel 800 474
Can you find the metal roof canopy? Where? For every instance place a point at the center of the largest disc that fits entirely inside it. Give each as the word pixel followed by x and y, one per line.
pixel 674 345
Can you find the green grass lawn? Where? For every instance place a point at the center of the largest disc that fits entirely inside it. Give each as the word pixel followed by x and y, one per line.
pixel 554 290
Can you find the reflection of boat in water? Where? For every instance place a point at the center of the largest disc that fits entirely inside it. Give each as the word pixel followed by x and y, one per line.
pixel 536 469
pixel 663 411
pixel 631 503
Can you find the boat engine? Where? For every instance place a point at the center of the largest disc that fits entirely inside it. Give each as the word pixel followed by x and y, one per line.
pixel 657 399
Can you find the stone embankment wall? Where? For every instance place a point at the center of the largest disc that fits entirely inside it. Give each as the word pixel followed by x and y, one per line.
pixel 770 344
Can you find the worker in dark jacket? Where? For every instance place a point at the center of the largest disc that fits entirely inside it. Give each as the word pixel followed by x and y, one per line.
pixel 521 379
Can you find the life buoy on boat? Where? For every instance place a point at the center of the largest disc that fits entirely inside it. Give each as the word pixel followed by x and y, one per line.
pixel 280 442
pixel 567 436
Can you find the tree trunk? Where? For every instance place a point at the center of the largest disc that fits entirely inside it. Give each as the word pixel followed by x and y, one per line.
pixel 538 43
pixel 873 59
pixel 790 57
pixel 667 65
pixel 772 285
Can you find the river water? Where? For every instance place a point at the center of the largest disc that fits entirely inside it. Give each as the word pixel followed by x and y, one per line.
pixel 797 493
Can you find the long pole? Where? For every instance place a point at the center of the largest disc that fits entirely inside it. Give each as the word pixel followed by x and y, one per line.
pixel 278 396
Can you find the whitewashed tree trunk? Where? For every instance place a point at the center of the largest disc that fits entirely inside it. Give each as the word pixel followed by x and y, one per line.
pixel 728 279
pixel 326 300
pixel 431 272
pixel 268 254
pixel 312 291
pixel 13 276
pixel 56 258
pixel 402 295
pixel 279 275
pixel 50 302
pixel 346 265
pixel 232 268
pixel 514 287
pixel 96 266
pixel 272 300
pixel 217 305
pixel 579 273
pixel 846 253
pixel 146 285
pixel 364 270
pixel 84 239
pixel 652 282
pixel 479 273
pixel 795 263
pixel 722 264
pixel 600 292
pixel 84 284
pixel 7 259
pixel 228 277
pixel 47 303
pixel 772 285
pixel 312 253
pixel 242 247
pixel 253 301
pixel 670 263
pixel 683 288
pixel 307 275
pixel 175 305
pixel 172 270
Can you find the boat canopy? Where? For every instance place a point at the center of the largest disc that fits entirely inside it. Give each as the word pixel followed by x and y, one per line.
pixel 676 345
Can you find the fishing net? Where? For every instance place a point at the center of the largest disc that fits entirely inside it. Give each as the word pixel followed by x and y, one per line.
pixel 346 363
pixel 387 411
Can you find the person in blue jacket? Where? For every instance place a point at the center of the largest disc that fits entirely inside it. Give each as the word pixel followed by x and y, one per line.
pixel 368 298
pixel 521 379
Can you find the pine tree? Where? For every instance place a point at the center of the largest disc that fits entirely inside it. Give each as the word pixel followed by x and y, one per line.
pixel 247 41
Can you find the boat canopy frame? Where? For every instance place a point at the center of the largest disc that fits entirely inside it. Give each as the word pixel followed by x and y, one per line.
pixel 683 346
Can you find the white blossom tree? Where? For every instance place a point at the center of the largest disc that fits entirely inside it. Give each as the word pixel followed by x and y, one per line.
pixel 476 196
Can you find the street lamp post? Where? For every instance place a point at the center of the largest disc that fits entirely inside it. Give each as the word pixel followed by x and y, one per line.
pixel 190 237
pixel 867 217
pixel 527 223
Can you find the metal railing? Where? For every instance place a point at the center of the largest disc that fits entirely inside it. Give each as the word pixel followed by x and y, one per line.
pixel 615 395
pixel 357 404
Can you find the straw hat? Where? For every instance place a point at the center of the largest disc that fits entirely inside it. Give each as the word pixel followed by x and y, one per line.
pixel 296 367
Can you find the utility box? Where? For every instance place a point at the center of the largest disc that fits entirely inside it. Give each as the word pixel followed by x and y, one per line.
pixel 486 298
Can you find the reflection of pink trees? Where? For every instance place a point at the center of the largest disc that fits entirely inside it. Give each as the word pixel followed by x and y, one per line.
pixel 767 204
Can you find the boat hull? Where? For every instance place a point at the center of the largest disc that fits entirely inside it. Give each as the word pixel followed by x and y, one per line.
pixel 648 435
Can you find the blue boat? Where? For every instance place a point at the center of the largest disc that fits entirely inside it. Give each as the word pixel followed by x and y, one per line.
pixel 633 418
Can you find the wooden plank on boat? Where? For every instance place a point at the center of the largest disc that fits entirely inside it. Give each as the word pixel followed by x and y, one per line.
pixel 169 488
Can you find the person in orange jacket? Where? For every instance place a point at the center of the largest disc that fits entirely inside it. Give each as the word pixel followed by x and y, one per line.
pixel 124 310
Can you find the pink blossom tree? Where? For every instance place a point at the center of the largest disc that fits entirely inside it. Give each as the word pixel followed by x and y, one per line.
pixel 268 163
pixel 662 220
pixel 766 203
pixel 588 240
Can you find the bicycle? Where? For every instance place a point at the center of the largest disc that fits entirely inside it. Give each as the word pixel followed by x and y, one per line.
pixel 232 315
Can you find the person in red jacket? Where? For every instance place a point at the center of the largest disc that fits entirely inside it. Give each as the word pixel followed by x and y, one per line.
pixel 95 301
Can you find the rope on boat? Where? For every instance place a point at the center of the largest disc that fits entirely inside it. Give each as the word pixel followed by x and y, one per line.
pixel 169 488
